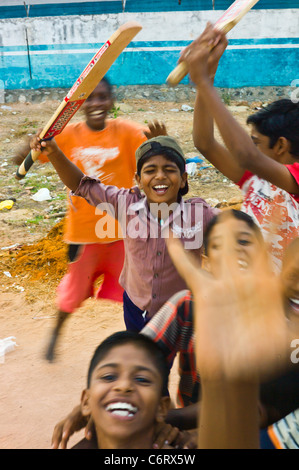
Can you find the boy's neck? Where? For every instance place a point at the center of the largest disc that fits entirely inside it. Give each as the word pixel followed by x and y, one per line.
pixel 96 128
pixel 288 159
pixel 161 212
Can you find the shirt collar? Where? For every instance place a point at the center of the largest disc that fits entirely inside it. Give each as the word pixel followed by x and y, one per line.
pixel 141 206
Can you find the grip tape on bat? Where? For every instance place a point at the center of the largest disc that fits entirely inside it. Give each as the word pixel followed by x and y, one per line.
pixel 27 164
pixel 180 71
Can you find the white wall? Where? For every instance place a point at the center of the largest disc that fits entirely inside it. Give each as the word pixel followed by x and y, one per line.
pixel 263 48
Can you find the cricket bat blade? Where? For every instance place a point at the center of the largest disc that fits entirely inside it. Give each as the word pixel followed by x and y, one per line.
pixel 83 87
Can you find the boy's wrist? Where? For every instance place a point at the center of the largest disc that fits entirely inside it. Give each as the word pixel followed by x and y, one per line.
pixel 205 82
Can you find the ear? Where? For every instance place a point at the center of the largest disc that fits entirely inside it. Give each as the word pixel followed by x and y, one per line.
pixel 163 409
pixel 184 177
pixel 138 180
pixel 205 263
pixel 85 408
pixel 282 146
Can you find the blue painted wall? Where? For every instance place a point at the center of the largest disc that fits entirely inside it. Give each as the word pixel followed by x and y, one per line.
pixel 263 49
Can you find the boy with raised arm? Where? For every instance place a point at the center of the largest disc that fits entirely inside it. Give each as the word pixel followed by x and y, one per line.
pixel 265 166
pixel 147 213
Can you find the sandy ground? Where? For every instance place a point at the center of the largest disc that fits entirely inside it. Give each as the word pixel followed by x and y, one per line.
pixel 35 394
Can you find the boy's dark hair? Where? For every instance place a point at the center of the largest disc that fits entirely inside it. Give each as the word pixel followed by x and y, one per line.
pixel 279 119
pixel 109 87
pixel 108 84
pixel 140 341
pixel 240 215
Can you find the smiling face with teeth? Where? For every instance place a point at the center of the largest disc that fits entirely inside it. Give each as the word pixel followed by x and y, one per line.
pixel 124 398
pixel 245 243
pixel 97 105
pixel 161 180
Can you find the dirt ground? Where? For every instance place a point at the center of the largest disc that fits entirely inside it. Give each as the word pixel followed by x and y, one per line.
pixel 35 394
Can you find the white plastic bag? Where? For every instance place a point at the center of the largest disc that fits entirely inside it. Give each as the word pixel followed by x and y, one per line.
pixel 191 169
pixel 6 345
pixel 42 194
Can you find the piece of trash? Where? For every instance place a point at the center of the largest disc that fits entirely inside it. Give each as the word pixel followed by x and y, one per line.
pixel 185 107
pixel 174 110
pixel 7 204
pixel 7 273
pixel 20 288
pixel 191 169
pixel 194 159
pixel 6 345
pixel 43 317
pixel 10 247
pixel 6 107
pixel 42 194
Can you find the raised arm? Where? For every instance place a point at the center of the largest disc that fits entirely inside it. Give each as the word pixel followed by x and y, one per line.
pixel 242 154
pixel 241 337
pixel 69 173
pixel 203 121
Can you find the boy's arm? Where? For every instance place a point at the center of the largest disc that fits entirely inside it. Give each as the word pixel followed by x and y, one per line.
pixel 203 122
pixel 69 173
pixel 183 418
pixel 229 415
pixel 21 152
pixel 209 147
pixel 242 337
pixel 240 146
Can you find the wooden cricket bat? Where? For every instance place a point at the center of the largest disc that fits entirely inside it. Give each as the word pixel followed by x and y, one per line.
pixel 226 22
pixel 83 87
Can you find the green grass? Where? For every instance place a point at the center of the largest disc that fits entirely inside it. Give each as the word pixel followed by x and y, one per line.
pixel 226 98
pixel 37 219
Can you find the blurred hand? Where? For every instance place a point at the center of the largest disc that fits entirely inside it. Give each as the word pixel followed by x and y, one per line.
pixel 39 145
pixel 155 129
pixel 73 422
pixel 22 152
pixel 240 326
pixel 167 435
pixel 203 54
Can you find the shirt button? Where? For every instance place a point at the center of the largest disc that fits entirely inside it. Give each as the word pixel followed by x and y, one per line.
pixel 159 253
pixel 156 275
pixel 154 296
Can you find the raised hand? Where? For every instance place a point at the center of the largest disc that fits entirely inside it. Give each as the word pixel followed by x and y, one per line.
pixel 240 325
pixel 203 54
pixel 72 423
pixel 156 128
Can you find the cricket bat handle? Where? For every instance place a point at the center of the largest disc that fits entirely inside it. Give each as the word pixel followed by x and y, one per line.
pixel 178 73
pixel 181 70
pixel 27 164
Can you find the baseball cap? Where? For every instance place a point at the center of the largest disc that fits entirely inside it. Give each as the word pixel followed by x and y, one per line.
pixel 162 145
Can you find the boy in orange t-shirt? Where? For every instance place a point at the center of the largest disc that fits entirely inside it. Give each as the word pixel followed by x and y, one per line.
pixel 104 148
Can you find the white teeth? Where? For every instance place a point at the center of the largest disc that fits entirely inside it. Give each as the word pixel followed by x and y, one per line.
pixel 96 113
pixel 121 408
pixel 161 186
pixel 122 413
pixel 295 301
pixel 242 264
